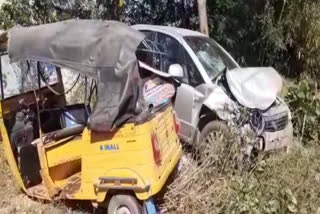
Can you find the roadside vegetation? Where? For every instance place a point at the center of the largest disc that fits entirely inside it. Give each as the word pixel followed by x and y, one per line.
pixel 277 183
pixel 281 182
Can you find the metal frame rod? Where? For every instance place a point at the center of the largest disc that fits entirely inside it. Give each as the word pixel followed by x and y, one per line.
pixel 38 72
pixel 1 79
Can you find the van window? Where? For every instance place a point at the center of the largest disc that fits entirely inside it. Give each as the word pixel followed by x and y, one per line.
pixel 194 76
pixel 159 51
pixel 149 52
pixel 172 49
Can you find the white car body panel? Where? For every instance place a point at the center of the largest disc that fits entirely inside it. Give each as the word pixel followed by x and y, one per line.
pixel 221 103
pixel 255 88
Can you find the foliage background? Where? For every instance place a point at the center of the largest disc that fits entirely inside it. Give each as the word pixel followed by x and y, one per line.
pixel 284 34
pixel 280 33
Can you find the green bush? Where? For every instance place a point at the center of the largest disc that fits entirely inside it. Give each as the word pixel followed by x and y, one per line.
pixel 281 183
pixel 304 101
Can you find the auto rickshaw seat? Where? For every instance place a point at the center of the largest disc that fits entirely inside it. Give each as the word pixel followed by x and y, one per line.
pixel 72 121
pixel 55 136
pixel 68 132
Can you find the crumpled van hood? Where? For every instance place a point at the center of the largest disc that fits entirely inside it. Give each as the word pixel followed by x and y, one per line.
pixel 255 88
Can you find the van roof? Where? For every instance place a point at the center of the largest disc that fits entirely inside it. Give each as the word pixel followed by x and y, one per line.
pixel 172 30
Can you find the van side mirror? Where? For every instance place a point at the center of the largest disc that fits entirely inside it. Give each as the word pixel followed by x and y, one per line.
pixel 176 70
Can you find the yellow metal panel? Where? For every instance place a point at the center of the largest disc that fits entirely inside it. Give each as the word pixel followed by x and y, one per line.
pixel 8 151
pixel 121 2
pixel 64 151
pixel 9 154
pixel 52 188
pixel 128 153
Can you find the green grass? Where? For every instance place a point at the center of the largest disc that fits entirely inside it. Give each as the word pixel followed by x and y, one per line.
pixel 281 183
pixel 278 183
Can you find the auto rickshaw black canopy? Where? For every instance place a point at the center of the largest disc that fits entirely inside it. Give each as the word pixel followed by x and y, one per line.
pixel 104 50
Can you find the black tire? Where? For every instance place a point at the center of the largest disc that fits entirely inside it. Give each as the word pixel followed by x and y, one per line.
pixel 214 126
pixel 207 141
pixel 221 149
pixel 128 204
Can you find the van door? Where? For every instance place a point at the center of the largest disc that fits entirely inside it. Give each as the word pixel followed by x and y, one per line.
pixel 167 51
pixel 188 100
pixel 187 104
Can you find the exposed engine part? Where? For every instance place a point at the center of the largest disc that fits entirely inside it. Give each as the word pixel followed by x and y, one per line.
pixel 273 120
pixel 267 125
pixel 257 128
pixel 260 144
pixel 261 130
pixel 257 122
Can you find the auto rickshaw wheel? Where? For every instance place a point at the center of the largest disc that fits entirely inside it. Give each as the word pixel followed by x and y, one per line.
pixel 124 204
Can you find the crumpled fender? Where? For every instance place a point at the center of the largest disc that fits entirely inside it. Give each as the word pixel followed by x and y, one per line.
pixel 219 102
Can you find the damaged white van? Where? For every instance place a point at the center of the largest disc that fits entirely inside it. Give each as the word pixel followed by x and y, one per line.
pixel 213 90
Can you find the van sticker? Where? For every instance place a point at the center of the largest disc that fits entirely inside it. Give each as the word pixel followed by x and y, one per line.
pixel 109 147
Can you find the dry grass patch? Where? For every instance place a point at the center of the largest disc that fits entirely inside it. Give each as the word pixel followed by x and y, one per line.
pixel 275 183
pixel 13 201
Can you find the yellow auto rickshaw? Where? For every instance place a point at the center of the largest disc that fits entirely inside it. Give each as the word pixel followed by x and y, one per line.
pixel 120 153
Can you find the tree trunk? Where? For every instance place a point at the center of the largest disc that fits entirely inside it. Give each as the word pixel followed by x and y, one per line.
pixel 3 41
pixel 202 10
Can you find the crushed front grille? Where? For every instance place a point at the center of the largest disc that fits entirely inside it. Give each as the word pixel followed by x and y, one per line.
pixel 276 122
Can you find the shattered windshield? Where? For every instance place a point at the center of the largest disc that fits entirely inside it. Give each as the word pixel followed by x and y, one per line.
pixel 211 56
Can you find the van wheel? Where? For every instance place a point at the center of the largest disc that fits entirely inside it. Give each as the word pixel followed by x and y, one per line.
pixel 222 151
pixel 124 204
pixel 211 130
pixel 207 143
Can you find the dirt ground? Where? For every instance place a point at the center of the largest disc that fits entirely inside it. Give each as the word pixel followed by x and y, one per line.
pixel 14 201
pixel 281 183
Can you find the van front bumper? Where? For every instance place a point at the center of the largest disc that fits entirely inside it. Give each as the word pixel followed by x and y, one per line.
pixel 279 139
